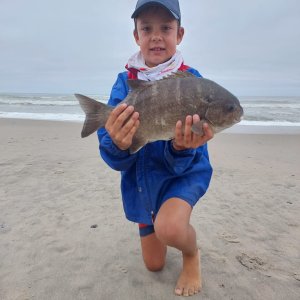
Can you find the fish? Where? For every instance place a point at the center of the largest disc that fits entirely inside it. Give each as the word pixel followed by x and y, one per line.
pixel 163 102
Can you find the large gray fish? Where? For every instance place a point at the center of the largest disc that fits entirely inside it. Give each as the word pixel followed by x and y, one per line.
pixel 163 102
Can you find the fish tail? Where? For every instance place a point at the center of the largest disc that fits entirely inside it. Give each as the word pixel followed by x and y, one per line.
pixel 96 114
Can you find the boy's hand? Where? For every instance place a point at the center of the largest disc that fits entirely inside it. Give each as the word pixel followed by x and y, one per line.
pixel 122 124
pixel 189 139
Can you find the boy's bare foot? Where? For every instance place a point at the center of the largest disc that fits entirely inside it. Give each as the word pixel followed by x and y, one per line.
pixel 190 281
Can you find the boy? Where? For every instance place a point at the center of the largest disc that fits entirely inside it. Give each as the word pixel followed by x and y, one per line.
pixel 162 181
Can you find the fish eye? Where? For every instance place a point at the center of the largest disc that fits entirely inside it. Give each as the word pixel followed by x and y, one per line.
pixel 230 107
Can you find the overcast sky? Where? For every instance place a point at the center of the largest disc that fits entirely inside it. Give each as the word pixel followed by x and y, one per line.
pixel 66 46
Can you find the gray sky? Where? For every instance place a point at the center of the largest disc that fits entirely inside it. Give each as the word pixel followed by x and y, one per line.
pixel 67 46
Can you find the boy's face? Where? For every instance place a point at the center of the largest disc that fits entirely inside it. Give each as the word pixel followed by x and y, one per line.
pixel 157 34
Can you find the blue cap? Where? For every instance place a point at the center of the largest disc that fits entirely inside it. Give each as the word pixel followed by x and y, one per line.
pixel 171 5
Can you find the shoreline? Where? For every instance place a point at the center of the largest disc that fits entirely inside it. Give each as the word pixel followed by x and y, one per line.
pixel 259 129
pixel 236 129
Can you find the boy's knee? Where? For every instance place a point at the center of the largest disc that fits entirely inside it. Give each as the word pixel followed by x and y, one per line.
pixel 154 266
pixel 169 231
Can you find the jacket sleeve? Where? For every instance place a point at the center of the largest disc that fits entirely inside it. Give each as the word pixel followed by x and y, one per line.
pixel 179 161
pixel 117 159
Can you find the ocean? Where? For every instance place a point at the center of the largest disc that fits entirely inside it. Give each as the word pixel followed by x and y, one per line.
pixel 258 111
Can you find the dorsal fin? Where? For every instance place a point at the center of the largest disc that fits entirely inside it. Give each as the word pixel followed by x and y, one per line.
pixel 179 74
pixel 135 84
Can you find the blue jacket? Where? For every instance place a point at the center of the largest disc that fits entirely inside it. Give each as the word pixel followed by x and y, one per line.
pixel 156 172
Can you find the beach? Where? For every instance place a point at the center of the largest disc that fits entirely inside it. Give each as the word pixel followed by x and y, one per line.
pixel 63 233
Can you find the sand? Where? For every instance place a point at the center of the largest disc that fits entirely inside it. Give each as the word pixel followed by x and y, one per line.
pixel 54 188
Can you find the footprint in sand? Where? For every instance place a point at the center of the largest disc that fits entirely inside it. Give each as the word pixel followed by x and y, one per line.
pixel 215 256
pixel 230 238
pixel 251 263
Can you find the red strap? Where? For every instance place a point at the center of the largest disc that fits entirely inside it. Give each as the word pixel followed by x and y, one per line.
pixel 132 73
pixel 183 68
pixel 142 225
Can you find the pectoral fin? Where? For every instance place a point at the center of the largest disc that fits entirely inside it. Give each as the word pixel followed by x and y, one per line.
pixel 137 144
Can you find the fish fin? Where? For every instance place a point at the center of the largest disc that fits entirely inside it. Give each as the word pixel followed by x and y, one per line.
pixel 96 114
pixel 137 144
pixel 180 74
pixel 198 127
pixel 135 84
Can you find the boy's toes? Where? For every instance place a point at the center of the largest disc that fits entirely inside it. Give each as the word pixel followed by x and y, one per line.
pixel 178 291
pixel 192 292
pixel 181 291
pixel 185 292
pixel 197 290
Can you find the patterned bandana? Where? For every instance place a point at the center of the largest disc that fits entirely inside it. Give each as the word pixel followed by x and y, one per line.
pixel 137 62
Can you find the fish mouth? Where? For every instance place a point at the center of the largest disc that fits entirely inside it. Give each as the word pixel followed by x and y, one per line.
pixel 239 119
